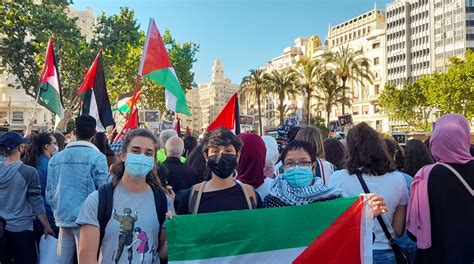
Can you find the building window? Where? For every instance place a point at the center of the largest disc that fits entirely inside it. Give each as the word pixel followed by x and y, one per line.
pixel 376 61
pixel 377 89
pixel 365 110
pixel 17 117
pixel 355 110
pixel 3 116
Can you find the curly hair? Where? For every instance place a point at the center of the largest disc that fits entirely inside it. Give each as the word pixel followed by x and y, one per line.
pixel 396 152
pixel 367 152
pixel 118 168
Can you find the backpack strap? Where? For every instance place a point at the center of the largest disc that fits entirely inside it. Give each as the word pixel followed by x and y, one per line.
pixel 104 212
pixel 195 197
pixel 250 195
pixel 161 206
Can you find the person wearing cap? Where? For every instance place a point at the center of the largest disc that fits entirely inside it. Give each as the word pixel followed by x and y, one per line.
pixel 73 174
pixel 21 200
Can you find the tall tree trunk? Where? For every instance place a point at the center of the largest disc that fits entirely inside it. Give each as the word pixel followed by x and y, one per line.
pixel 328 113
pixel 308 114
pixel 343 95
pixel 259 115
pixel 68 112
pixel 280 108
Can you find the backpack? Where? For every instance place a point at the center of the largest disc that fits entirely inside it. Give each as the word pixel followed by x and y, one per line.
pixel 106 193
pixel 197 190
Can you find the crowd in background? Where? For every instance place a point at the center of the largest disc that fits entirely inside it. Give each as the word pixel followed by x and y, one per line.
pixel 106 201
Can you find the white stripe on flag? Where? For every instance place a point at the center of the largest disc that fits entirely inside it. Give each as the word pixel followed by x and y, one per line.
pixel 170 100
pixel 275 256
pixel 366 232
pixel 94 112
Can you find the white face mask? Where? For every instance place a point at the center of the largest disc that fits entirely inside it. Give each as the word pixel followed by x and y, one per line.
pixel 56 149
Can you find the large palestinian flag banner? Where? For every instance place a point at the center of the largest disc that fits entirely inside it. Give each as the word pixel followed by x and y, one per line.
pixel 49 89
pixel 156 66
pixel 93 93
pixel 337 231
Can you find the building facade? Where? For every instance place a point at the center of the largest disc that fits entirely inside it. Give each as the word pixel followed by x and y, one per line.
pixel 194 122
pixel 86 21
pixel 367 33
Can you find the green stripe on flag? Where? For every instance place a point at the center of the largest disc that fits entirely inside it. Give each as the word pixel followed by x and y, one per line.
pixel 167 78
pixel 50 99
pixel 202 236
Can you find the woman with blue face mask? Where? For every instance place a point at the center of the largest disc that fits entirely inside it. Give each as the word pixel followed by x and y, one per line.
pixel 297 185
pixel 138 203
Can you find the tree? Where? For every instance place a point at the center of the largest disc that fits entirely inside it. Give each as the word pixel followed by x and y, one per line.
pixel 282 83
pixel 409 103
pixel 254 85
pixel 349 65
pixel 308 72
pixel 26 28
pixel 330 93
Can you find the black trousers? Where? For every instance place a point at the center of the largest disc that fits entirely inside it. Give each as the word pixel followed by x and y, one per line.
pixel 19 247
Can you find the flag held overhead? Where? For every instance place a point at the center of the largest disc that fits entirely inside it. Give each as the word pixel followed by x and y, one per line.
pixel 228 117
pixel 156 66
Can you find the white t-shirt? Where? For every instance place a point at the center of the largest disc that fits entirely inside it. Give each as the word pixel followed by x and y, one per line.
pixel 391 186
pixel 132 231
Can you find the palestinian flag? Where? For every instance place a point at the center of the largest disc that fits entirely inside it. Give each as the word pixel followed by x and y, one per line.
pixel 93 92
pixel 50 95
pixel 177 127
pixel 132 122
pixel 336 231
pixel 155 65
pixel 127 101
pixel 229 117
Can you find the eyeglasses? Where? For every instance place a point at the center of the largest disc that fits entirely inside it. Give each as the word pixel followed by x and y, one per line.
pixel 304 165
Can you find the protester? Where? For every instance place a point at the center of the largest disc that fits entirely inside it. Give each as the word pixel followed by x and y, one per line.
pixel 197 161
pixel 164 136
pixel 298 185
pixel 271 157
pixel 397 155
pixel 101 142
pixel 252 163
pixel 20 192
pixel 441 209
pixel 312 135
pixel 137 234
pixel 43 147
pixel 417 155
pixel 172 171
pixel 334 152
pixel 368 157
pixel 60 141
pixel 73 174
pixel 222 192
pixel 190 143
pixel 117 146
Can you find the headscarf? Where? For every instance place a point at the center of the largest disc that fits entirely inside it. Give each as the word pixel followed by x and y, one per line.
pixel 449 143
pixel 317 191
pixel 252 160
pixel 272 155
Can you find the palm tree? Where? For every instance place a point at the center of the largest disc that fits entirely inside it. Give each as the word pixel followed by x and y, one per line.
pixel 308 72
pixel 254 85
pixel 282 83
pixel 349 65
pixel 330 92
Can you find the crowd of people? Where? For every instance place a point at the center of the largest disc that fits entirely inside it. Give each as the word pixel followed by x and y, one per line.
pixel 106 202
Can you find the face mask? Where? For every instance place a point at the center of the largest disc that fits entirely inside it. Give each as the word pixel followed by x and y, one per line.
pixel 56 149
pixel 268 172
pixel 298 177
pixel 222 165
pixel 138 165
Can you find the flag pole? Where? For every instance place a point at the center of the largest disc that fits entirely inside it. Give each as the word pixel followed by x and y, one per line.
pixel 135 89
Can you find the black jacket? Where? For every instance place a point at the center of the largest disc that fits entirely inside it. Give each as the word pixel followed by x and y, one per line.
pixel 176 174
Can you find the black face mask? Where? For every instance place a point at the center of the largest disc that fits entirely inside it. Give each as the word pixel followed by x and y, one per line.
pixel 222 165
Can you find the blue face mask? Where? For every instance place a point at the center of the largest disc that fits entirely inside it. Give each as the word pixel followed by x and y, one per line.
pixel 138 165
pixel 298 177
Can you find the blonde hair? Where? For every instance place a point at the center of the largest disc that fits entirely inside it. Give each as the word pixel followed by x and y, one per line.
pixel 313 136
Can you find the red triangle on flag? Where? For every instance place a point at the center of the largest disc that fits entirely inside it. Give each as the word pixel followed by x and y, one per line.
pixel 132 122
pixel 340 242
pixel 227 117
pixel 49 64
pixel 89 78
pixel 155 56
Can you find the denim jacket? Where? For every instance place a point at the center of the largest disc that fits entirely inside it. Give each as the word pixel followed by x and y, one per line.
pixel 73 174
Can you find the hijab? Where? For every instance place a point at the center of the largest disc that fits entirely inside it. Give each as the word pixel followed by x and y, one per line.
pixel 252 160
pixel 449 143
pixel 272 155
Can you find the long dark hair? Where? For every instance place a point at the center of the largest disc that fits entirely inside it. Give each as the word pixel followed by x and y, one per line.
pixel 190 143
pixel 197 161
pixel 118 168
pixel 335 152
pixel 417 156
pixel 36 148
pixel 396 153
pixel 101 142
pixel 60 140
pixel 367 152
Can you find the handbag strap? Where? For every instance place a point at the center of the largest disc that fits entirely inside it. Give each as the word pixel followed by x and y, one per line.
pixel 379 218
pixel 460 178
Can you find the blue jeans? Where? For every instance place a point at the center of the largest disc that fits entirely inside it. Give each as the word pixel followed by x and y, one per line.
pixel 385 256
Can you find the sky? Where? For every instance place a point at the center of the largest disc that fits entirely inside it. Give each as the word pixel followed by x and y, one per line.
pixel 244 34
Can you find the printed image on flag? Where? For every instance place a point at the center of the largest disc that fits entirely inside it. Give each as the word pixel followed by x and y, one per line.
pixel 335 231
